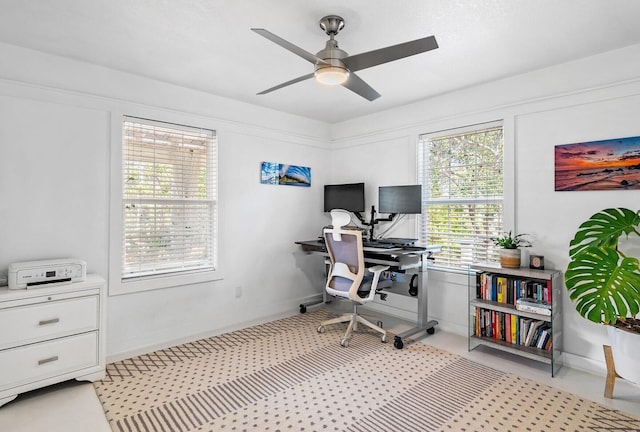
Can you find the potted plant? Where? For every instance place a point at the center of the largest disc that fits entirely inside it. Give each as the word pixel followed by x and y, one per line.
pixel 603 280
pixel 510 254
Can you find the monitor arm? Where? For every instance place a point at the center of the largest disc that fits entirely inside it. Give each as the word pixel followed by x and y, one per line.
pixel 373 221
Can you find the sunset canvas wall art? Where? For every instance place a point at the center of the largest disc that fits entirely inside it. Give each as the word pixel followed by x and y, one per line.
pixel 598 165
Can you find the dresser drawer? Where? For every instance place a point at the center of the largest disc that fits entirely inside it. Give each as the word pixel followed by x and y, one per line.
pixel 43 360
pixel 37 322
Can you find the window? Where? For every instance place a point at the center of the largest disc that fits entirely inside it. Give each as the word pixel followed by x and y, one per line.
pixel 168 199
pixel 461 172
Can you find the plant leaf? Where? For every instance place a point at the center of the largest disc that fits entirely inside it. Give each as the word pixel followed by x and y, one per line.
pixel 603 229
pixel 603 284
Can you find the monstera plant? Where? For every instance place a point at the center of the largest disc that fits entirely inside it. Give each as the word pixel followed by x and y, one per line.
pixel 603 282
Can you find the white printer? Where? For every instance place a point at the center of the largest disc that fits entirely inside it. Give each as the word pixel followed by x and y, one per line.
pixel 30 274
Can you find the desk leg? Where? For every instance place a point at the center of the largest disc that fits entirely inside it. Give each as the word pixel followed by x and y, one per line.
pixel 423 324
pixel 325 297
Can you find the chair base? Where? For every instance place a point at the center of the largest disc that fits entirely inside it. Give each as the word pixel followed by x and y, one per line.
pixel 353 319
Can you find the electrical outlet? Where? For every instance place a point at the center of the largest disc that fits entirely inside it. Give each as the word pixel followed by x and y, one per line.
pixel 238 292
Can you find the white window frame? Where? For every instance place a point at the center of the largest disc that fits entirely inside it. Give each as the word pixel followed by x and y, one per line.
pixel 508 210
pixel 118 285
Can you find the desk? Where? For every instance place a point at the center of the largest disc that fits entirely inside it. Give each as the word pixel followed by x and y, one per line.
pixel 398 259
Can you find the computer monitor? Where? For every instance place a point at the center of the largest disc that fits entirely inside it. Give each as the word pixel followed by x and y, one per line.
pixel 349 197
pixel 400 199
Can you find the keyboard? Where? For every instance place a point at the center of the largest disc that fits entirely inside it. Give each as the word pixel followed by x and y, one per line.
pixel 378 245
pixel 399 241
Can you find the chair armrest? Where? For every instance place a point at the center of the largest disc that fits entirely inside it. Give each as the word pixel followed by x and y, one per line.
pixel 376 270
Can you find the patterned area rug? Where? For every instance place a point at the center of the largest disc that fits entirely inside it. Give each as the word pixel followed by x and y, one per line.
pixel 285 376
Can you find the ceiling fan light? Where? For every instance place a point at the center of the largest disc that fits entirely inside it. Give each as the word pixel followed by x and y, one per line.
pixel 332 75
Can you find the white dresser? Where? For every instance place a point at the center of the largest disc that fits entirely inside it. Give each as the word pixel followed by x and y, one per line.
pixel 51 334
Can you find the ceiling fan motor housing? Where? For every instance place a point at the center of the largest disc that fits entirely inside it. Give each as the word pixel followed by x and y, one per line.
pixel 333 71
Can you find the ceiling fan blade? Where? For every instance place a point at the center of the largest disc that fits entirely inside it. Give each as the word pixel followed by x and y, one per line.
pixel 395 52
pixel 312 58
pixel 293 81
pixel 358 86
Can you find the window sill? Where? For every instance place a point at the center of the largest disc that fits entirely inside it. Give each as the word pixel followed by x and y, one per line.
pixel 130 286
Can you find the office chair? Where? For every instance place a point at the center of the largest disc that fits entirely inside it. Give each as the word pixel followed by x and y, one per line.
pixel 346 277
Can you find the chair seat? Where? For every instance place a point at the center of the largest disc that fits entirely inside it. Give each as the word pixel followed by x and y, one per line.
pixel 365 287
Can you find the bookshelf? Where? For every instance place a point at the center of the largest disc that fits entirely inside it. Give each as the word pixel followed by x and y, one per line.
pixel 494 320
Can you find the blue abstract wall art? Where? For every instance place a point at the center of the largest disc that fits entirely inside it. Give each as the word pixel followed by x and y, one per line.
pixel 282 174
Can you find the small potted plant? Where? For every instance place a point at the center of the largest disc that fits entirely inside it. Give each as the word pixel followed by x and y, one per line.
pixel 510 254
pixel 603 279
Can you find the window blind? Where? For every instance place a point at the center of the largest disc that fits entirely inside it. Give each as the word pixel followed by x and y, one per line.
pixel 168 198
pixel 461 172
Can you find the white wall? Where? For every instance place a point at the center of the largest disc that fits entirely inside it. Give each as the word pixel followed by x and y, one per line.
pixel 553 217
pixel 55 119
pixel 55 122
pixel 591 99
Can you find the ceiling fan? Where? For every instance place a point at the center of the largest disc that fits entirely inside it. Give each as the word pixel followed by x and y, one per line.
pixel 334 66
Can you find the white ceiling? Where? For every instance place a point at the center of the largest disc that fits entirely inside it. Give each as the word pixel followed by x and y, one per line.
pixel 207 44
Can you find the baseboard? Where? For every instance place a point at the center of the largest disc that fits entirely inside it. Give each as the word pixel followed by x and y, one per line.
pixel 291 308
pixel 585 364
pixel 451 327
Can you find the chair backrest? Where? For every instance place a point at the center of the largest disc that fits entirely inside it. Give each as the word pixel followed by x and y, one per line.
pixel 347 258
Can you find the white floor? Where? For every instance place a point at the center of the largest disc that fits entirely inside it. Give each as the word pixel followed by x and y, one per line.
pixel 74 406
pixel 67 407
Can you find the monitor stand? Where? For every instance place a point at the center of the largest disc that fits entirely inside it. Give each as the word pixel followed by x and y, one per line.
pixel 373 221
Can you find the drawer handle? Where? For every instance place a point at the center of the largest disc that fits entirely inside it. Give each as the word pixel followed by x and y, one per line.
pixel 49 321
pixel 47 360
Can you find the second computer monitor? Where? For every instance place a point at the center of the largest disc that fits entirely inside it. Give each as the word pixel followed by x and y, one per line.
pixel 400 199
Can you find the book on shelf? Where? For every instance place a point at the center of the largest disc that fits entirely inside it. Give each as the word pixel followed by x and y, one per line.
pixel 542 340
pixel 507 328
pixel 534 306
pixel 524 328
pixel 501 289
pixel 533 333
pixel 548 345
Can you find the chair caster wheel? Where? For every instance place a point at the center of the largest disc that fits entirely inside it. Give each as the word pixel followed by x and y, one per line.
pixel 397 342
pixel 321 329
pixel 303 308
pixel 344 342
pixel 384 338
pixel 431 330
pixel 379 324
